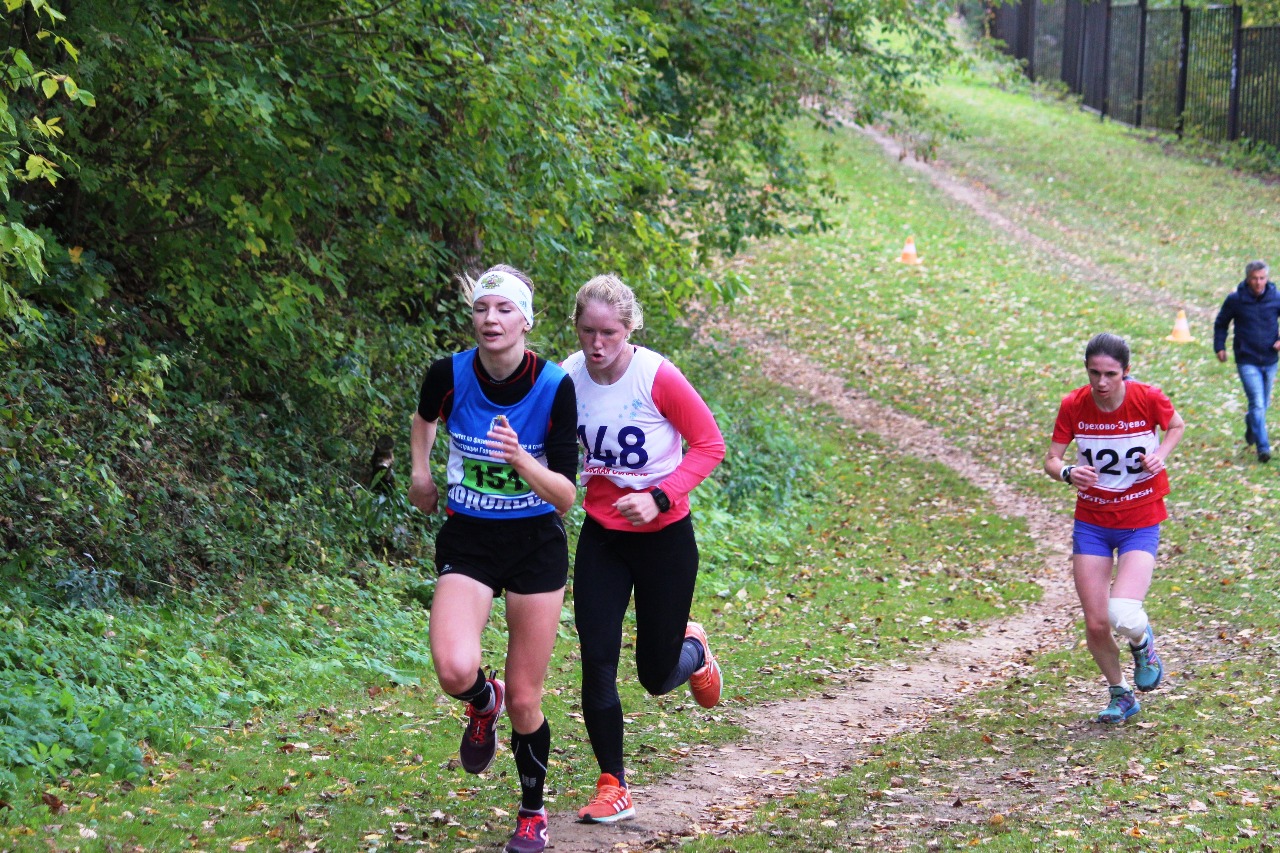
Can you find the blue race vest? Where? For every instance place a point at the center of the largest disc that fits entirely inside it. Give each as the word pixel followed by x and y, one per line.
pixel 482 485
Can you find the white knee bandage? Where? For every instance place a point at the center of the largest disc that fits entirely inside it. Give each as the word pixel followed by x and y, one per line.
pixel 1128 618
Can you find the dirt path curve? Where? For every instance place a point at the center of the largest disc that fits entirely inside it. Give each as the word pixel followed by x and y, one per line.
pixel 982 201
pixel 793 744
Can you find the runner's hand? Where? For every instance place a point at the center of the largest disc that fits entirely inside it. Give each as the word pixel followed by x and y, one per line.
pixel 424 495
pixel 504 444
pixel 1084 477
pixel 638 508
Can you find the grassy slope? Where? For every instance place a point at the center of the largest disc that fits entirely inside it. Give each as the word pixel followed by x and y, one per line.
pixel 980 341
pixel 1164 221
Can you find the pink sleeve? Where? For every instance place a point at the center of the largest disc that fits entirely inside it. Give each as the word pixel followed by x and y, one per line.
pixel 679 403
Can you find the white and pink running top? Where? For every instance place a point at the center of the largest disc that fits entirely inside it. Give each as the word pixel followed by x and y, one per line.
pixel 631 433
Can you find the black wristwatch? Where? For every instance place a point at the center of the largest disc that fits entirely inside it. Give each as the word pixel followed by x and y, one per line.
pixel 1066 473
pixel 661 499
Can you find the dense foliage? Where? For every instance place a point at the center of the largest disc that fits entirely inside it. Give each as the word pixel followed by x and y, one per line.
pixel 28 141
pixel 264 173
pixel 88 687
pixel 226 276
pixel 227 251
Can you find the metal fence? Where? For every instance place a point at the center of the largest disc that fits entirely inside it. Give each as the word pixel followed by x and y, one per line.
pixel 1047 47
pixel 1260 84
pixel 1124 71
pixel 1195 71
pixel 1161 102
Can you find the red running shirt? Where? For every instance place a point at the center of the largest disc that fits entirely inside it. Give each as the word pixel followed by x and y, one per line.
pixel 1126 496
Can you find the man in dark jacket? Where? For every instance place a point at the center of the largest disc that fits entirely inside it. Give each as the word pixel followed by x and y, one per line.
pixel 1254 307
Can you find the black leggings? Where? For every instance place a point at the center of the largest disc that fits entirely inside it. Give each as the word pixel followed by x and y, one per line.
pixel 661 567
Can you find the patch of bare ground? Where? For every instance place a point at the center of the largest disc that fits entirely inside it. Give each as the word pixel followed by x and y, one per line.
pixel 795 744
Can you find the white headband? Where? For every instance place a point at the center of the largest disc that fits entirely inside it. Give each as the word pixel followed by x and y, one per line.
pixel 498 283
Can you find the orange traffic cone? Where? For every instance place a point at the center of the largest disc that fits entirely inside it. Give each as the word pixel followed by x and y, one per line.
pixel 1181 331
pixel 909 253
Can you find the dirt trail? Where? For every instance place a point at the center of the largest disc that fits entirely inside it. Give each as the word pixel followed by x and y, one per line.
pixel 792 744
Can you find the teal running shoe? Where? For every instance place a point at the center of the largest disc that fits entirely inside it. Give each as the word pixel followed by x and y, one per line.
pixel 1147 669
pixel 1123 706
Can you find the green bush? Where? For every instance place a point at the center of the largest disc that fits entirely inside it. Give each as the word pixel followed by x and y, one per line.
pixel 132 464
pixel 89 688
pixel 757 500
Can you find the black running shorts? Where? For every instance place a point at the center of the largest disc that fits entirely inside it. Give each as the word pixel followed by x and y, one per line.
pixel 523 555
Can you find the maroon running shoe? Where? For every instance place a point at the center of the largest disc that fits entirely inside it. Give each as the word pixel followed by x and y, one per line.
pixel 531 832
pixel 480 740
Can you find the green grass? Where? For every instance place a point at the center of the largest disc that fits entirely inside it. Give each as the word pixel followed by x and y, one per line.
pixel 813 525
pixel 1124 197
pixel 981 342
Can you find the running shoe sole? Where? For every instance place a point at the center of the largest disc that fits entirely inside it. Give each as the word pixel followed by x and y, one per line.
pixel 625 814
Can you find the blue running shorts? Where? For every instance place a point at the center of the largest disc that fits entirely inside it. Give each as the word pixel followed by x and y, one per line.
pixel 1096 541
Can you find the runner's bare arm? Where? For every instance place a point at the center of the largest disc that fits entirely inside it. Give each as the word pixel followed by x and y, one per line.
pixel 422 488
pixel 1082 476
pixel 1153 462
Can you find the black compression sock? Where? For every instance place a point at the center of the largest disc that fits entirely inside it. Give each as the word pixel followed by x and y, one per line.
pixel 532 751
pixel 479 690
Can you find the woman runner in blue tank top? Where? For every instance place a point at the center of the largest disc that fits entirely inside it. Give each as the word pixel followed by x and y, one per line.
pixel 510 417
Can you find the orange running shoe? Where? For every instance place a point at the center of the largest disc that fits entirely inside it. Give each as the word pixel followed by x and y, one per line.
pixel 611 803
pixel 705 682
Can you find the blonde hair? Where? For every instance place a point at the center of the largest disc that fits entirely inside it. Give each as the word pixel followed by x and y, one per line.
pixel 468 284
pixel 610 290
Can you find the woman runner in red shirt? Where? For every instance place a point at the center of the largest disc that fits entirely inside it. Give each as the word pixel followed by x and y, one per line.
pixel 1119 475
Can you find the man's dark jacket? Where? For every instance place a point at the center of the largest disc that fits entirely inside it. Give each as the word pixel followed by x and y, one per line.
pixel 1255 318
